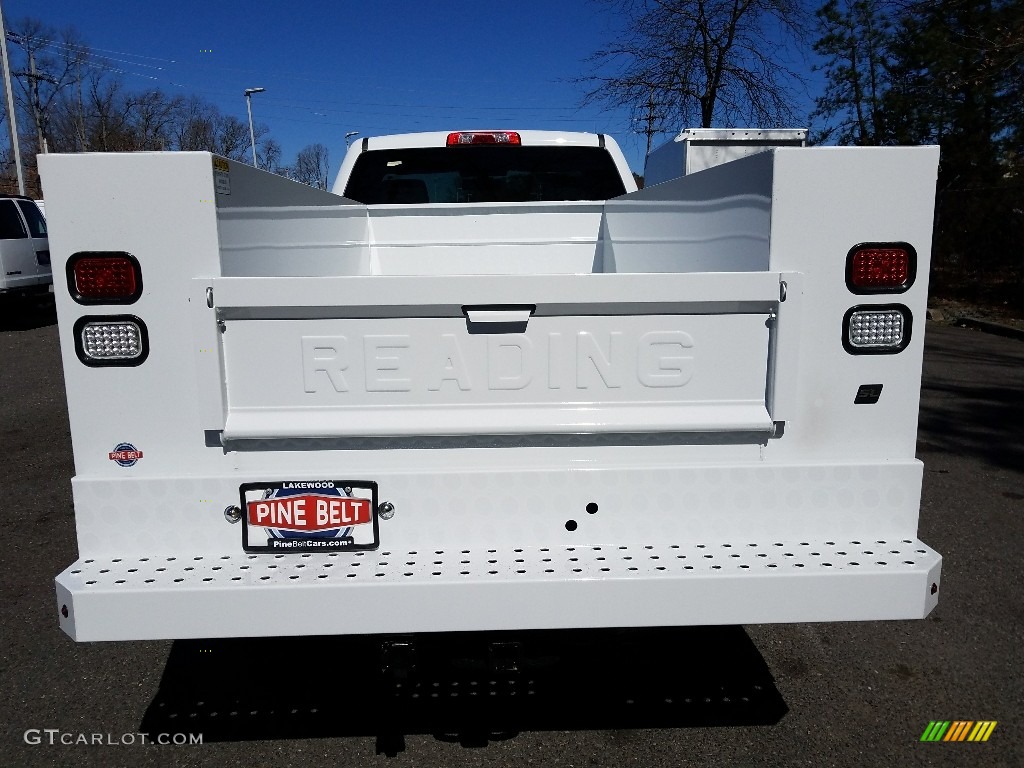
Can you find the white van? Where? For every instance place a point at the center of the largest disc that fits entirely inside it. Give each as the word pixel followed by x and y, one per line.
pixel 24 248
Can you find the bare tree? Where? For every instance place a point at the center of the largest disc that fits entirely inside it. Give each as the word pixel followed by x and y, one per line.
pixel 195 127
pixel 232 137
pixel 680 61
pixel 53 62
pixel 268 152
pixel 312 166
pixel 155 114
pixel 108 119
pixel 76 102
pixel 202 127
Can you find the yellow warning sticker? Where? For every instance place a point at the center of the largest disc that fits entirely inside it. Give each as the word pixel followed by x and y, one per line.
pixel 221 176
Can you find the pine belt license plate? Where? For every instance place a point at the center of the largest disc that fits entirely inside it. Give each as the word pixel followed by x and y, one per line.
pixel 309 516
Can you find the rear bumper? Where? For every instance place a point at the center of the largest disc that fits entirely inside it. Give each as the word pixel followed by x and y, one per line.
pixel 31 286
pixel 497 589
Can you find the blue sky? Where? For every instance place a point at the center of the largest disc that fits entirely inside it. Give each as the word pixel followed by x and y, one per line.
pixel 332 67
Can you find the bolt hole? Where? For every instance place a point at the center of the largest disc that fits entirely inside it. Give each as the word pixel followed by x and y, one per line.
pixel 591 508
pixel 570 525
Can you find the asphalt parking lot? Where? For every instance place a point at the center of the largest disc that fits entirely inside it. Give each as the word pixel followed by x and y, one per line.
pixel 820 695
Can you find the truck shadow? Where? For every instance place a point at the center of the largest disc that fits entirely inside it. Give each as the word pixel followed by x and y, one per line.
pixel 18 314
pixel 469 688
pixel 971 396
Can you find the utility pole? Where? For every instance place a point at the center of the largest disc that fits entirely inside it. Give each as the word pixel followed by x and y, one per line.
pixel 80 117
pixel 649 120
pixel 12 122
pixel 39 111
pixel 33 79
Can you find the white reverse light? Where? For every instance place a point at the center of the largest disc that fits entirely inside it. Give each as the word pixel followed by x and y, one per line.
pixel 120 341
pixel 877 329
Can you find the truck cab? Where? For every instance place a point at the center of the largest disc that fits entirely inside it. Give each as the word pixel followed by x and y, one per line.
pixel 484 167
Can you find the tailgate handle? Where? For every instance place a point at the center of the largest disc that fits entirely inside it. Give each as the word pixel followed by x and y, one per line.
pixel 498 318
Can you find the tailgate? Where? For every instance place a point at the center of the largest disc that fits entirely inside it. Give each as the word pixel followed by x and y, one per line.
pixel 351 357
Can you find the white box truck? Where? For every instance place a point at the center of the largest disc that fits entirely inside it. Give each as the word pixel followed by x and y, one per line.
pixel 487 384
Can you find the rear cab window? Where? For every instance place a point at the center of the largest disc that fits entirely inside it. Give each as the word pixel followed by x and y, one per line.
pixel 11 226
pixel 483 174
pixel 36 222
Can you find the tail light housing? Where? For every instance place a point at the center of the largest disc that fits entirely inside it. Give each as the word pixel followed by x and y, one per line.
pixel 111 340
pixel 877 329
pixel 873 268
pixel 104 277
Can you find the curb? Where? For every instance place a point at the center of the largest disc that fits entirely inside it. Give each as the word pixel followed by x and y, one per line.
pixel 988 327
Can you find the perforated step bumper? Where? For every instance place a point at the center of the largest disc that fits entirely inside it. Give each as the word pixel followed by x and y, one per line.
pixel 496 589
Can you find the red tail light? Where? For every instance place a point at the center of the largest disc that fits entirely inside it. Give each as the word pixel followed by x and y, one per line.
pixel 881 268
pixel 484 137
pixel 104 278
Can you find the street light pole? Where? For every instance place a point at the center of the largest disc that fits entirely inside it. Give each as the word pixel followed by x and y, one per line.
pixel 248 106
pixel 12 122
pixel 349 136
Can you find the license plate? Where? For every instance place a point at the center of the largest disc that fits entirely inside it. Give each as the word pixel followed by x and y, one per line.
pixel 309 516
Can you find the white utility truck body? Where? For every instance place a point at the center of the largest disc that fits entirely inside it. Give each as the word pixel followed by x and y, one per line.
pixel 294 412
